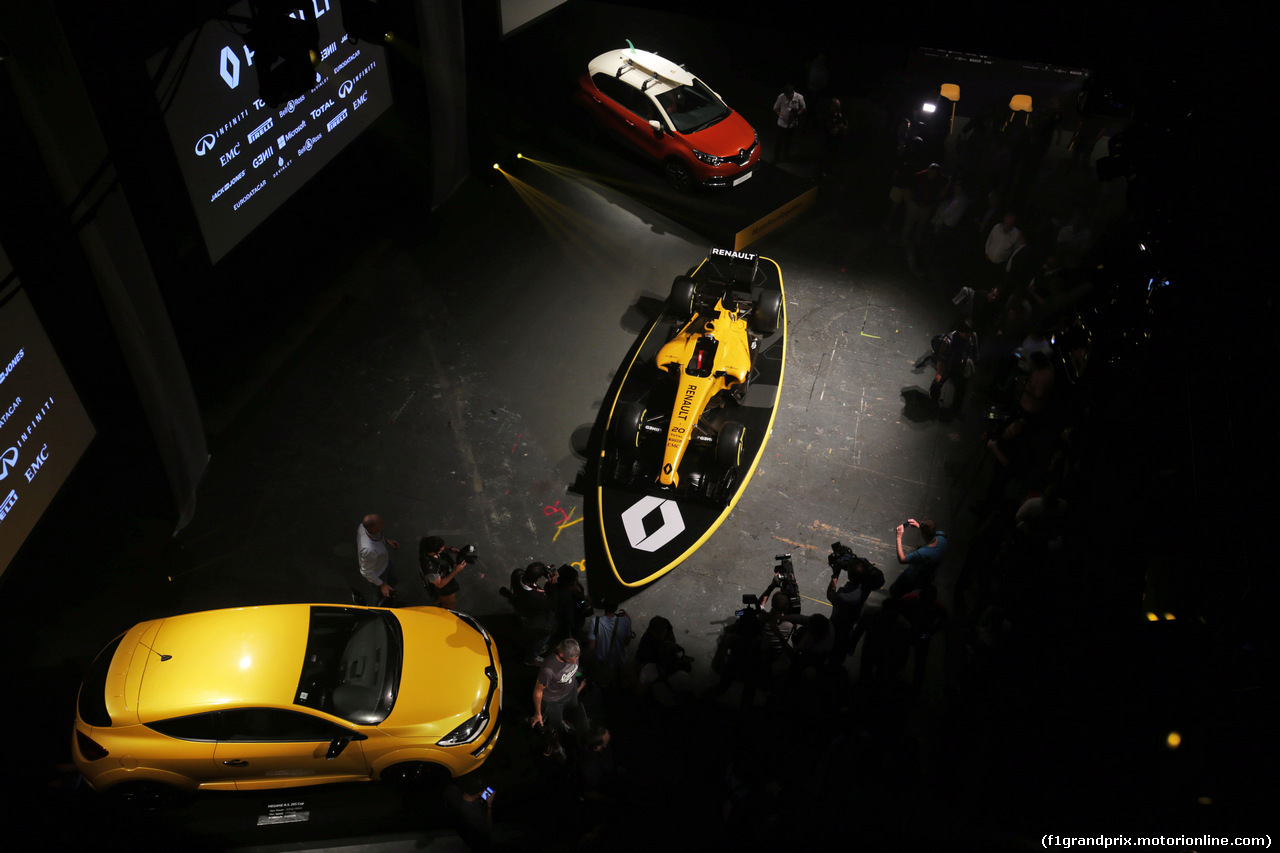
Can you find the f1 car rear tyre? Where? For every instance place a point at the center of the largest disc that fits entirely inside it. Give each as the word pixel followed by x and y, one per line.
pixel 683 291
pixel 768 310
pixel 626 427
pixel 729 445
pixel 678 174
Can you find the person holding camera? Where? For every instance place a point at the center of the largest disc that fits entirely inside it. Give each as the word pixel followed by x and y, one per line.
pixel 922 563
pixel 861 579
pixel 440 572
pixel 535 608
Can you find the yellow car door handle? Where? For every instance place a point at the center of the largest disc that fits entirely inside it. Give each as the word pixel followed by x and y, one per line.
pixel 236 762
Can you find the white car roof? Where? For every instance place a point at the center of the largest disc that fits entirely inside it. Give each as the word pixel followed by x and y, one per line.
pixel 640 65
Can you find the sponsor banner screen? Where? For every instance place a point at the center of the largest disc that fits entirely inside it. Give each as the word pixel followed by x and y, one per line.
pixel 43 428
pixel 241 158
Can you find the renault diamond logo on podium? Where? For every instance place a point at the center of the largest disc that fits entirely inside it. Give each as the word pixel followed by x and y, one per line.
pixel 633 522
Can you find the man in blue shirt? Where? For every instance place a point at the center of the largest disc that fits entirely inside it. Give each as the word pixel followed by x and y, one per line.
pixel 922 563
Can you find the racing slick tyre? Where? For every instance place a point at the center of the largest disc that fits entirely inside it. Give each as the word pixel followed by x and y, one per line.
pixel 626 428
pixel 678 174
pixel 768 310
pixel 683 291
pixel 729 445
pixel 721 490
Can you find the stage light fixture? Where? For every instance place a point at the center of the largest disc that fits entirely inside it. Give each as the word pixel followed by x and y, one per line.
pixel 951 92
pixel 1019 104
pixel 367 20
pixel 286 49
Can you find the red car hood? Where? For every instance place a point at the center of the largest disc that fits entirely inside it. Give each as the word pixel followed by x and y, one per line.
pixel 724 138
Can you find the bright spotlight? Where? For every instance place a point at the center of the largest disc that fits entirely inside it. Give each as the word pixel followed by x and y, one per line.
pixel 519 156
pixel 928 107
pixel 1174 740
pixel 496 166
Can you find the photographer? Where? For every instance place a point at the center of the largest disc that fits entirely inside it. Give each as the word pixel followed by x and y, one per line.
pixel 862 578
pixel 439 573
pixel 922 563
pixel 535 608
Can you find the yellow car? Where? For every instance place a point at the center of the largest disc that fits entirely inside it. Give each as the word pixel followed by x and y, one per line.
pixel 288 695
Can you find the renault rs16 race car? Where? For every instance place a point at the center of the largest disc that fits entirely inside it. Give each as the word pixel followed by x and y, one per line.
pixel 681 434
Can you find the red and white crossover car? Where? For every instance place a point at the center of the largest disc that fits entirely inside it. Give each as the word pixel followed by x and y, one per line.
pixel 670 116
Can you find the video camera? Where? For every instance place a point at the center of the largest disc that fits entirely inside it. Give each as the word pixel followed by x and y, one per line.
pixel 467 554
pixel 841 557
pixel 784 579
pixel 867 573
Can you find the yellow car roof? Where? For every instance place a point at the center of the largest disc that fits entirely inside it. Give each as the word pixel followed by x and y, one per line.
pixel 221 658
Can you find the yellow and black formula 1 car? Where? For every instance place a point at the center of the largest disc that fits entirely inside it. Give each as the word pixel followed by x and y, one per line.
pixel 683 434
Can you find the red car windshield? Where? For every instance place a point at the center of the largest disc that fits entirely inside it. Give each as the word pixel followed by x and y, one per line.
pixel 692 108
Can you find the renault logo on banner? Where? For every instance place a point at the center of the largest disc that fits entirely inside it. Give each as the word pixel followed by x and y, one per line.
pixel 8 459
pixel 229 67
pixel 633 522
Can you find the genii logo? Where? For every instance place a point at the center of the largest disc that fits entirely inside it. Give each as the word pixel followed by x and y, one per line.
pixel 8 459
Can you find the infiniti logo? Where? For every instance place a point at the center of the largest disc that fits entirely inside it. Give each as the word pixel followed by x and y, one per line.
pixel 7 460
pixel 345 88
pixel 205 145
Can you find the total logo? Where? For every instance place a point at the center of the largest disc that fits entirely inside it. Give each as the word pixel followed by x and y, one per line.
pixel 8 459
pixel 670 526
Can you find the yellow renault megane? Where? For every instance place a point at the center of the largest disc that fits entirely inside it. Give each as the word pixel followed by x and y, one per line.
pixel 288 695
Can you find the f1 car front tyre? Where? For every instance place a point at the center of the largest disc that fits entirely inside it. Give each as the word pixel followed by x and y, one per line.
pixel 683 291
pixel 729 445
pixel 767 312
pixel 626 427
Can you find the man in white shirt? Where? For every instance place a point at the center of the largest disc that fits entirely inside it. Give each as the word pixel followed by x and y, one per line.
pixel 788 107
pixel 371 549
pixel 1001 242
